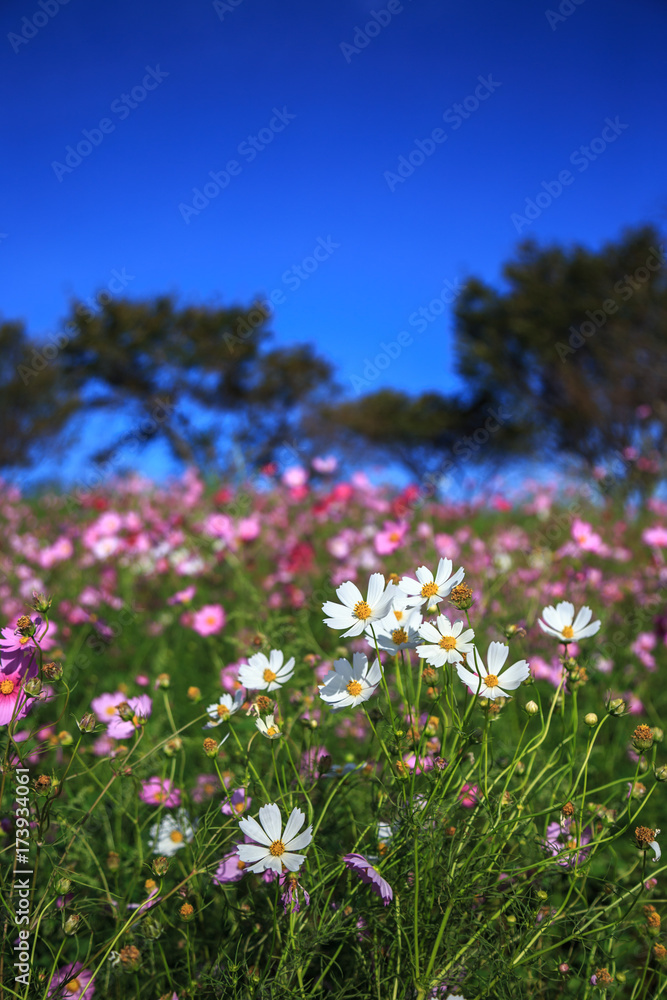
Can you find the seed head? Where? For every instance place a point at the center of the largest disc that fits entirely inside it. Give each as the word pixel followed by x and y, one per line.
pixel 160 866
pixel 568 809
pixel 43 784
pixel 130 958
pixel 642 738
pixel 24 625
pixel 644 837
pixel 210 747
pixel 462 597
pixel 52 671
pixel 603 977
pixel 263 703
pixel 660 952
pixel 187 911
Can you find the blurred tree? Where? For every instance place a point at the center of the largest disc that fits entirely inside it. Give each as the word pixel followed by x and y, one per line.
pixel 34 407
pixel 575 348
pixel 197 378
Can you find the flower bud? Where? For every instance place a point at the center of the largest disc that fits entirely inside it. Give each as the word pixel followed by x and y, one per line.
pixel 642 738
pixel 186 911
pixel 616 707
pixel 591 719
pixel 40 602
pixel 543 895
pixel 194 694
pixel 660 773
pixel 531 708
pixel 52 671
pixel 87 723
pixel 125 711
pixel 173 745
pixel 658 734
pixel 72 923
pixel 210 747
pixel 160 866
pixel 63 886
pixel 163 681
pixel 151 928
pixel 563 968
pixel 461 597
pixel 33 687
pixel 113 861
pixel 515 632
pixel 65 739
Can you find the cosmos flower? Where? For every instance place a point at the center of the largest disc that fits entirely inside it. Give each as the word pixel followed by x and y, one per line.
pixel 370 875
pixel 445 642
pixel 240 803
pixel 269 727
pixel 14 702
pixel 119 729
pixel 487 683
pixel 560 837
pixel 160 792
pixel 348 686
pixel 209 620
pixel 230 869
pixel 271 848
pixel 392 636
pixel 562 625
pixel 70 981
pixel 266 674
pixel 224 708
pixel 355 613
pixel 428 589
pixel 171 833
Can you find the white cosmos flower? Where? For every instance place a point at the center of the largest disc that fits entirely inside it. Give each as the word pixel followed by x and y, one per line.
pixel 562 625
pixel 271 848
pixel 392 636
pixel 428 589
pixel 262 674
pixel 269 727
pixel 224 708
pixel 355 613
pixel 348 686
pixel 170 833
pixel 445 642
pixel 488 683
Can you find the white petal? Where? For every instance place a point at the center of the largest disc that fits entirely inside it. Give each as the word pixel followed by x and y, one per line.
pixel 429 631
pixel 566 612
pixel 250 853
pixel 409 587
pixel 293 825
pixel 271 820
pixel 552 618
pixel 583 617
pixel 375 589
pixel 514 675
pixel 349 594
pixel 443 572
pixel 252 828
pixel 424 575
pixel 292 861
pixel 656 847
pixel 468 678
pixel 590 630
pixel 498 653
pixel 298 843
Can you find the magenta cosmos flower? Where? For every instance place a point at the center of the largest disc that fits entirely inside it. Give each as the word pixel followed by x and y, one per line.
pixel 209 620
pixel 560 837
pixel 370 875
pixel 230 869
pixel 240 802
pixel 160 792
pixel 141 706
pixel 70 981
pixel 14 702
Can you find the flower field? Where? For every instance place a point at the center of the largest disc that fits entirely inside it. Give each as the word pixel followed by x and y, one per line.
pixel 307 738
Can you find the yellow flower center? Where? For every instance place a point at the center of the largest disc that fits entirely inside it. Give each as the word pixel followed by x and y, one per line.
pixel 354 688
pixel 223 710
pixel 362 610
pixel 269 676
pixel 448 642
pixel 73 986
pixel 110 709
pixel 271 731
pixel 6 687
pixel 24 639
pixel 568 632
pixel 240 864
pixel 239 807
pixel 491 681
pixel 277 848
pixel 176 837
pixel 135 721
pixel 398 615
pixel 398 636
pixel 161 796
pixel 430 589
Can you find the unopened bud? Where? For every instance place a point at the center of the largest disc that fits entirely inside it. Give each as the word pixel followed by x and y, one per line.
pixel 658 734
pixel 591 719
pixel 186 911
pixel 531 707
pixel 660 773
pixel 125 711
pixel 33 687
pixel 515 632
pixel 563 968
pixel 87 723
pixel 194 694
pixel 616 707
pixel 52 671
pixel 40 602
pixel 151 928
pixel 173 745
pixel 163 680
pixel 160 866
pixel 543 895
pixel 72 923
pixel 65 739
pixel 63 886
pixel 113 861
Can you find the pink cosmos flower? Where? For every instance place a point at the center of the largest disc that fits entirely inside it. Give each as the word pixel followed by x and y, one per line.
pixel 560 838
pixel 182 596
pixel 14 702
pixel 160 792
pixel 468 796
pixel 656 536
pixel 230 869
pixel 105 706
pixel 325 465
pixel 295 476
pixel 209 620
pixel 370 876
pixel 70 981
pixel 239 804
pixel 248 528
pixel 390 538
pixel 206 786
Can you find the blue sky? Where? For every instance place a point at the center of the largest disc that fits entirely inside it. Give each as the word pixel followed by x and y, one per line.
pixel 337 97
